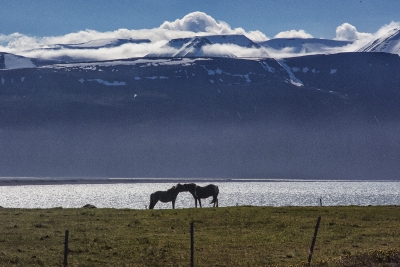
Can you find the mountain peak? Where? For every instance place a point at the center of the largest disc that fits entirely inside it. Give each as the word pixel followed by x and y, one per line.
pixel 193 46
pixel 389 43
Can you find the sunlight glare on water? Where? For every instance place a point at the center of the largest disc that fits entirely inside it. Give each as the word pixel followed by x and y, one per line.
pixel 137 195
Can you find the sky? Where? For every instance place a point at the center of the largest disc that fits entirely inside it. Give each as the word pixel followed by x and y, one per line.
pixel 26 24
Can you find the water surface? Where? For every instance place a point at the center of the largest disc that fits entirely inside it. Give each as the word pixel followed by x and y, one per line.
pixel 263 193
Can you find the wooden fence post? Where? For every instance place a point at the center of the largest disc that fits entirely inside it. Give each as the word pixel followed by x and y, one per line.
pixel 65 264
pixel 314 239
pixel 192 244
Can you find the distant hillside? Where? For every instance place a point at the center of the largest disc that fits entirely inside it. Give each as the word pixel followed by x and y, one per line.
pixel 316 117
pixel 303 45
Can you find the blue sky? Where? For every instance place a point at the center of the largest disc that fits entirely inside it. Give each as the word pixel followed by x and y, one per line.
pixel 320 18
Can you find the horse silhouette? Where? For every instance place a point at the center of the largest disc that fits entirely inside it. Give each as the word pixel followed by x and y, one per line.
pixel 166 196
pixel 199 192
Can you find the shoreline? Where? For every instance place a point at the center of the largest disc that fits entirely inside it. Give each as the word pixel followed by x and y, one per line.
pixel 21 181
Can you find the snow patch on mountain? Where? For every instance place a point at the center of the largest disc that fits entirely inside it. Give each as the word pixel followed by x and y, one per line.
pixel 293 78
pixel 11 61
pixel 107 83
pixel 142 62
pixel 267 67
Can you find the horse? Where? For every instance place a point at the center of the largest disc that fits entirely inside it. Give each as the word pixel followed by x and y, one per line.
pixel 166 196
pixel 199 192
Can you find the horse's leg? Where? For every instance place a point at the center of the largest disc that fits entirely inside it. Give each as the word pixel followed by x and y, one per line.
pixel 195 202
pixel 151 206
pixel 215 201
pixel 200 203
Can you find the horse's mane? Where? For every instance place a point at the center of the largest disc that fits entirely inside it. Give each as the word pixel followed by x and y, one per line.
pixel 173 187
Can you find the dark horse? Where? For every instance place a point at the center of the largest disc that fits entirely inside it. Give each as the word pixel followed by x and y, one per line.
pixel 166 196
pixel 199 192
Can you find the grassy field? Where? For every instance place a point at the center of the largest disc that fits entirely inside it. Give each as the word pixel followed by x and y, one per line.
pixel 233 236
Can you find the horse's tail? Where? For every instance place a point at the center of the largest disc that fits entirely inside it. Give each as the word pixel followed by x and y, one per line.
pixel 215 195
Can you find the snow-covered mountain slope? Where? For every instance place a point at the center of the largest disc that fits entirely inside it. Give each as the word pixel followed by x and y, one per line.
pixel 194 47
pixel 303 45
pixel 236 39
pixel 389 43
pixel 11 61
pixel 100 43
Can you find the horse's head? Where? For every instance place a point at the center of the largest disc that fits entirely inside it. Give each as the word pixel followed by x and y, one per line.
pixel 180 187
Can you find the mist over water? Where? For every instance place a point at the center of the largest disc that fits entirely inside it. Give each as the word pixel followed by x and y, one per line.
pixel 137 195
pixel 189 149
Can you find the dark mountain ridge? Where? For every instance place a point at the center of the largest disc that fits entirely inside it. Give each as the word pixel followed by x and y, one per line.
pixel 323 117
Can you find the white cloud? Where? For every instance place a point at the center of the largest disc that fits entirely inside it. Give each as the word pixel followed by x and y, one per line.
pixel 196 22
pixel 348 32
pixel 17 41
pixel 203 24
pixel 386 28
pixel 238 51
pixel 293 34
pixel 123 51
pixel 283 53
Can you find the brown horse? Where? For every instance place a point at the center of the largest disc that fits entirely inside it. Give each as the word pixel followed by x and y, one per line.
pixel 166 196
pixel 199 192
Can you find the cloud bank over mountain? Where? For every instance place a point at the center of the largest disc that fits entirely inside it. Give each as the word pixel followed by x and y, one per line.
pixel 193 24
pixel 347 32
pixel 293 34
pixel 199 22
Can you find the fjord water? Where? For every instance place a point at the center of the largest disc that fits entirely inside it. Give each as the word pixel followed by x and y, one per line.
pixel 232 193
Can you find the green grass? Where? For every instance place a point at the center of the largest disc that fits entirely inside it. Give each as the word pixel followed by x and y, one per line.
pixel 233 236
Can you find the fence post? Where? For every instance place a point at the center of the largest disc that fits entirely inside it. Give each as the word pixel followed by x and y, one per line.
pixel 66 249
pixel 314 239
pixel 192 244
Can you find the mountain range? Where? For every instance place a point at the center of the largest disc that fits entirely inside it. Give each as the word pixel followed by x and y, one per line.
pixel 194 46
pixel 188 114
pixel 303 45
